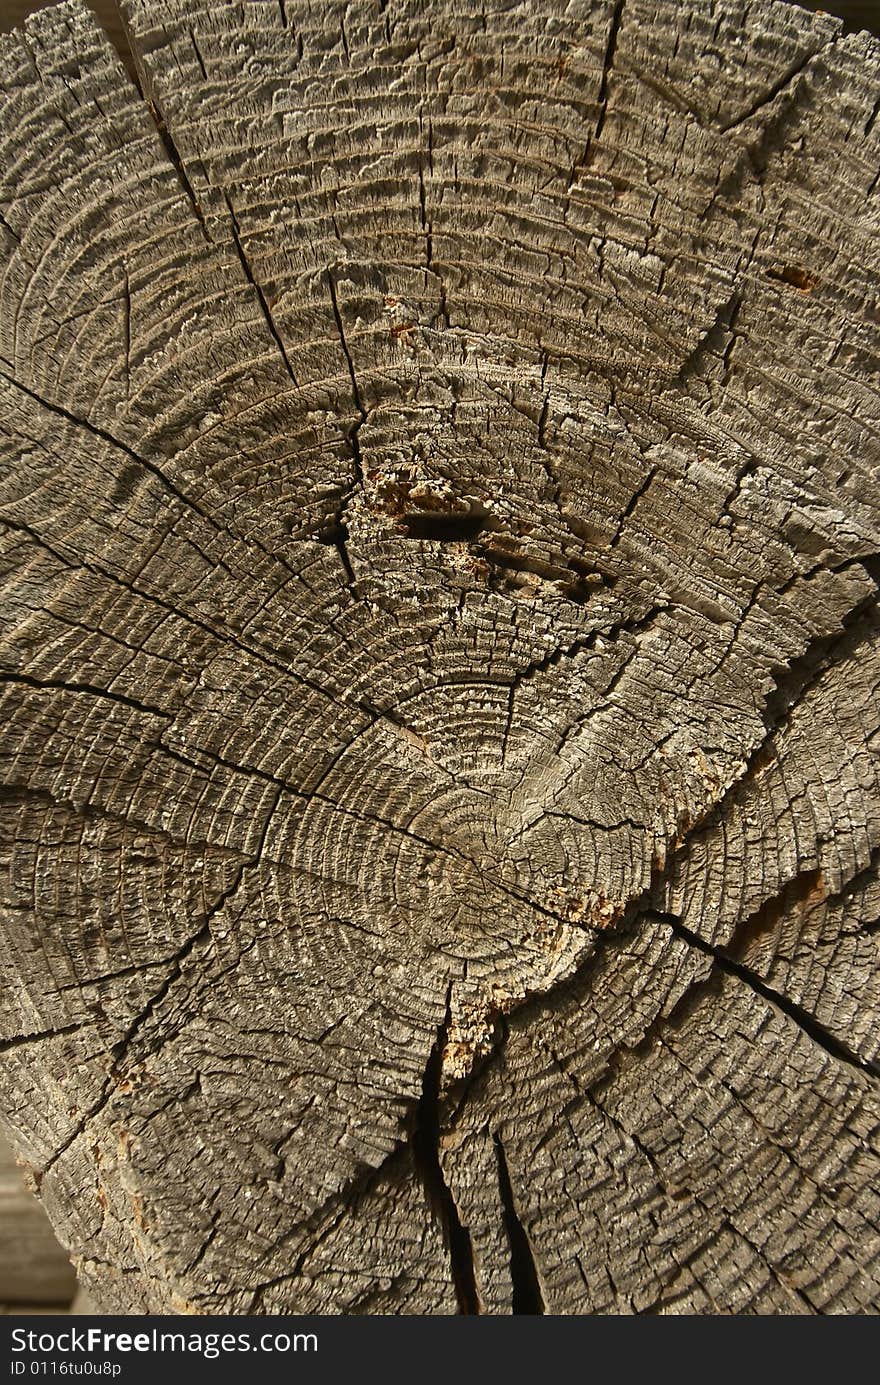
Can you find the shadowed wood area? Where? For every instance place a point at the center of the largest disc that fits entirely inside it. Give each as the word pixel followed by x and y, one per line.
pixel 33 1267
pixel 440 654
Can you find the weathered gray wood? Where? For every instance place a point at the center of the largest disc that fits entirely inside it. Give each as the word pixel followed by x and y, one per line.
pixel 439 475
pixel 14 12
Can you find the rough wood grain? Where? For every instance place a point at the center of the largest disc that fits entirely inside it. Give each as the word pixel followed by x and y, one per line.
pixel 441 654
pixel 13 13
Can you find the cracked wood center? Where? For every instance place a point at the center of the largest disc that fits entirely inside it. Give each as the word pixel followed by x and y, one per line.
pixel 440 654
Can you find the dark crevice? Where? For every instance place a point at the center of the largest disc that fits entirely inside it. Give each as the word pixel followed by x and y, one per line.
pixel 102 433
pixel 119 37
pixel 427 230
pixel 126 330
pixel 355 389
pixel 425 1144
pixel 8 229
pixel 202 933
pixel 199 59
pixel 101 978
pixel 576 586
pixel 75 560
pixel 436 527
pixel 336 536
pixel 754 158
pixel 87 689
pixel 802 1018
pixel 461 520
pixel 93 812
pixel 121 1046
pixel 527 1296
pixel 608 65
pixel 633 501
pixel 795 679
pixel 337 1205
pixel 798 894
pixel 866 561
pixel 790 689
pixel 871 563
pixel 176 963
pixel 218 633
pixel 795 276
pixel 789 75
pixel 460 1091
pixel 542 437
pixel 177 163
pixel 257 288
pixel 714 346
pixel 339 529
pixel 20 1040
pixel 606 634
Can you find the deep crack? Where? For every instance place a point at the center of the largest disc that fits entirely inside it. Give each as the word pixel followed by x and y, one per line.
pixel 802 1018
pixel 426 1155
pixel 527 1296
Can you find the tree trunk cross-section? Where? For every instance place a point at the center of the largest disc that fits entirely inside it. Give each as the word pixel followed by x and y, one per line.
pixel 440 654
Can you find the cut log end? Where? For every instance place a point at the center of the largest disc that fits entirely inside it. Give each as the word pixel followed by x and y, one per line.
pixel 440 655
